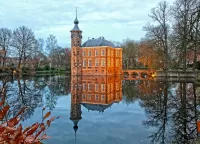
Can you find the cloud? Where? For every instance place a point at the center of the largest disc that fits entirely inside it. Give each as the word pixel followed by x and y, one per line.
pixel 115 19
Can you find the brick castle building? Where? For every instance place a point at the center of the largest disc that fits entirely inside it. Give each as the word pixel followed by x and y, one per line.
pixel 94 57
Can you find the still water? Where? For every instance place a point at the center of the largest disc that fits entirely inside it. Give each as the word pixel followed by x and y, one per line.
pixel 108 110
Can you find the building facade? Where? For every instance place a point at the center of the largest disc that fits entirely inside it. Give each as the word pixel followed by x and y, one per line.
pixel 94 57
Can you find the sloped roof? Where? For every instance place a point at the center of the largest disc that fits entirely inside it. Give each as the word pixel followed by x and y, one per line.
pixel 96 107
pixel 97 42
pixel 76 28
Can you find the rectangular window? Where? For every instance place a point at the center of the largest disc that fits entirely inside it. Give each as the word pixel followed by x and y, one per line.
pixel 103 62
pixel 83 96
pixel 102 97
pixel 112 62
pixel 90 53
pixel 89 97
pixel 96 97
pixel 118 53
pixel 112 86
pixel 96 87
pixel 84 63
pixel 117 95
pixel 84 53
pixel 103 52
pixel 102 87
pixel 89 63
pixel 96 62
pixel 89 86
pixel 117 62
pixel 84 86
pixel 117 86
pixel 108 52
pixel 96 52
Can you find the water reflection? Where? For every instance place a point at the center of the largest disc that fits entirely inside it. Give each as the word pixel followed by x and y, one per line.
pixel 96 93
pixel 171 109
pixel 33 92
pixel 165 112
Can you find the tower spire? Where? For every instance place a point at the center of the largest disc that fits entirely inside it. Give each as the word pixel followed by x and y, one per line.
pixel 76 19
pixel 76 12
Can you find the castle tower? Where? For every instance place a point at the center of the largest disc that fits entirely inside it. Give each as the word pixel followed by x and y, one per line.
pixel 76 94
pixel 76 53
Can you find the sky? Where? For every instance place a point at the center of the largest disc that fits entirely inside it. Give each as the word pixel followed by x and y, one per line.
pixel 115 20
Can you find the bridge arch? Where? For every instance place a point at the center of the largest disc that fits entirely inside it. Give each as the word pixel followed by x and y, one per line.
pixel 126 74
pixel 138 74
pixel 134 74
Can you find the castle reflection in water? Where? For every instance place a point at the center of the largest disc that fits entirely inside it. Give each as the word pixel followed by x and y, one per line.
pixel 96 93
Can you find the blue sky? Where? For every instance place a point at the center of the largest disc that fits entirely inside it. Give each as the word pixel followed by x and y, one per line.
pixel 116 20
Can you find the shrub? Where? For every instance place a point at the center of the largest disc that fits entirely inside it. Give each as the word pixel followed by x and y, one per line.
pixel 46 67
pixel 25 69
pixel 198 65
pixel 53 68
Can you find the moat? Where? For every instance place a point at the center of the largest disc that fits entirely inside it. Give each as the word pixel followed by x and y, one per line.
pixel 136 112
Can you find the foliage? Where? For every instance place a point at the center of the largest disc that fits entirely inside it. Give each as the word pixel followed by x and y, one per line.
pixel 198 65
pixel 149 56
pixel 11 132
pixel 130 50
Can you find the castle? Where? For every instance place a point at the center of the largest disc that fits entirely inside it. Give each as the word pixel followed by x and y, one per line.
pixel 94 57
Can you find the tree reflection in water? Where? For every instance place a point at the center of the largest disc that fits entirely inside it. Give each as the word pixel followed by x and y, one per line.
pixel 171 109
pixel 35 92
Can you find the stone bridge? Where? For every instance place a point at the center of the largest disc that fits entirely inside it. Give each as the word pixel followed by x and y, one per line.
pixel 138 74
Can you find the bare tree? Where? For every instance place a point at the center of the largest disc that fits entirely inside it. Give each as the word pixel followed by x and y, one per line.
pixel 41 44
pixel 130 51
pixel 25 43
pixel 182 12
pixel 195 35
pixel 51 46
pixel 5 42
pixel 159 32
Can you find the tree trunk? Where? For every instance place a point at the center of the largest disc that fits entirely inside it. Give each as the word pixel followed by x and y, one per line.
pixel 4 58
pixel 195 45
